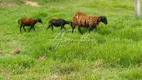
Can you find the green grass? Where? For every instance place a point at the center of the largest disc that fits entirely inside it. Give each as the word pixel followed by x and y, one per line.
pixel 111 52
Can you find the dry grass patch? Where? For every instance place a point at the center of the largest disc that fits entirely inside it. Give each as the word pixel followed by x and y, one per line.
pixel 31 3
pixel 7 4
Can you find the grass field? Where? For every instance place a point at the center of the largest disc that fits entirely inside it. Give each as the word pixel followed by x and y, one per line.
pixel 110 52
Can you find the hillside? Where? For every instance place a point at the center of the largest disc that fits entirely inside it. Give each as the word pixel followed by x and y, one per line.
pixel 110 52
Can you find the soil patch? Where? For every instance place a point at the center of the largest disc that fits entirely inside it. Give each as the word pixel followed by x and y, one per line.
pixel 31 3
pixel 8 4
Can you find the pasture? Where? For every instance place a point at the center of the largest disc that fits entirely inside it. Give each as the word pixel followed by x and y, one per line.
pixel 110 52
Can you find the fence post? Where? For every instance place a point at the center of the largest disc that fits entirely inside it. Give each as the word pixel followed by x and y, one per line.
pixel 137 8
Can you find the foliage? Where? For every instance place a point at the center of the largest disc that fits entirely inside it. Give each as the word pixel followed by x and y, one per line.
pixel 110 52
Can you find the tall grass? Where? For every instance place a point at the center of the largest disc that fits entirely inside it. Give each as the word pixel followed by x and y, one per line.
pixel 111 51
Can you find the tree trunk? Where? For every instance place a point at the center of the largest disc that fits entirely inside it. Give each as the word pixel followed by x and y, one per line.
pixel 137 8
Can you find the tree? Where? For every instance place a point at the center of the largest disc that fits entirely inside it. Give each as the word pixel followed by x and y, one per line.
pixel 137 8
